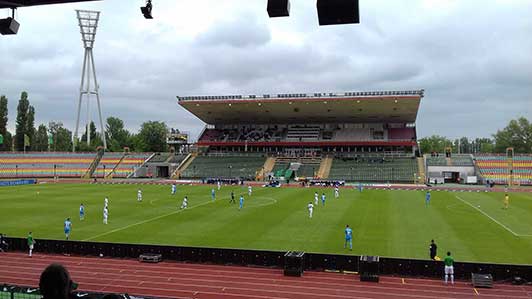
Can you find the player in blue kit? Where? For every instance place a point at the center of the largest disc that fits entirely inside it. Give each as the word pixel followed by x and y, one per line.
pixel 427 198
pixel 241 202
pixel 213 194
pixel 174 189
pixel 360 187
pixel 323 199
pixel 67 227
pixel 81 212
pixel 348 237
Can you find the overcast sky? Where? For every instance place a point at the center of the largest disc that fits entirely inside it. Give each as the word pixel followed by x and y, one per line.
pixel 473 58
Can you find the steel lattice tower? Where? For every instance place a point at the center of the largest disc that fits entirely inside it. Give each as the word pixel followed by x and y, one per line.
pixel 88 23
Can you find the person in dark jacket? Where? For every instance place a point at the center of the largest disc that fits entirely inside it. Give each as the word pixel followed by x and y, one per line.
pixel 433 250
pixel 55 282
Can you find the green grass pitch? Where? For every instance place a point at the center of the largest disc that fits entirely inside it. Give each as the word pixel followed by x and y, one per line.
pixel 387 223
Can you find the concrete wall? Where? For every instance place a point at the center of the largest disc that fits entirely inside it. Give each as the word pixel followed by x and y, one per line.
pixel 464 171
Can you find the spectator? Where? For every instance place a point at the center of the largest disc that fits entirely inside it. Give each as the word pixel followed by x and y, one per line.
pixel 55 282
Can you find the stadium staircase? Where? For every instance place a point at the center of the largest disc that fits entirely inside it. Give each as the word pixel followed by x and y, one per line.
pixel 301 166
pixel 266 168
pixel 94 164
pixel 184 165
pixel 110 174
pixel 325 167
pixel 421 173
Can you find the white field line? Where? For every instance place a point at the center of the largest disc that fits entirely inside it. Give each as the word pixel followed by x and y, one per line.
pixel 493 219
pixel 145 221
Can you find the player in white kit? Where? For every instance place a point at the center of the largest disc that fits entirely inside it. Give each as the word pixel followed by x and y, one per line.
pixel 310 207
pixel 105 215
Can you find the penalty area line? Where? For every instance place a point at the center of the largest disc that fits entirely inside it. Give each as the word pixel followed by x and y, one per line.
pixel 144 221
pixel 492 219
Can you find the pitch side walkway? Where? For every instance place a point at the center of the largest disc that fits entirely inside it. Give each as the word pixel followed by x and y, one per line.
pixel 182 280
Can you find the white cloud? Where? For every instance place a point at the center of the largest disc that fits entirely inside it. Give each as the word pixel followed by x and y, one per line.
pixel 472 58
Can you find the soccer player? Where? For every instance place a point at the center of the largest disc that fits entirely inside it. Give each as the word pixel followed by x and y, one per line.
pixel 250 189
pixel 360 188
pixel 336 192
pixel 174 189
pixel 106 202
pixel 232 197
pixel 219 185
pixel 213 194
pixel 323 199
pixel 105 215
pixel 449 269
pixel 68 227
pixel 81 212
pixel 506 201
pixel 31 242
pixel 139 195
pixel 427 198
pixel 348 237
pixel 241 202
pixel 310 207
pixel 184 205
pixel 433 250
pixel 316 198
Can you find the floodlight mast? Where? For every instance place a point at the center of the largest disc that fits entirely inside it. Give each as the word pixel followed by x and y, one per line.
pixel 88 23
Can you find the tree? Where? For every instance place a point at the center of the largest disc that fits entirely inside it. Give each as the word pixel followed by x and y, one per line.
pixel 117 136
pixel 30 126
pixel 434 143
pixel 8 141
pixel 61 137
pixel 517 134
pixel 96 139
pixel 41 139
pixel 152 137
pixel 3 124
pixel 22 121
pixel 25 123
pixel 482 145
pixel 63 140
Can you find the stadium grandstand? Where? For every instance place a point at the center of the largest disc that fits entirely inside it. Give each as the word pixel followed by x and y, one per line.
pixel 321 135
pixel 69 165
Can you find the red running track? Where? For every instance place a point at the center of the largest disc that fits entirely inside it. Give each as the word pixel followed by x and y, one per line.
pixel 201 281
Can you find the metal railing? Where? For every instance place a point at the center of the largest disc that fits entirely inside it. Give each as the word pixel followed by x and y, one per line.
pixel 9 291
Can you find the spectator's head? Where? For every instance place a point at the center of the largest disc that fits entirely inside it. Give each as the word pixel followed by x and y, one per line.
pixel 448 253
pixel 55 282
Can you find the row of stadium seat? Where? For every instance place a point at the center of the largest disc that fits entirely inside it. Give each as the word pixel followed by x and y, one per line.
pixel 495 168
pixel 44 164
pixel 305 133
pixel 454 160
pixel 395 170
pixel 224 167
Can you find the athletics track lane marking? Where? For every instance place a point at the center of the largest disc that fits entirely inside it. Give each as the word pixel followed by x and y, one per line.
pixel 492 219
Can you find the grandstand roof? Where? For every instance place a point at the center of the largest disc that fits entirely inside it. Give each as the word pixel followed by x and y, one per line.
pixel 22 3
pixel 348 107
